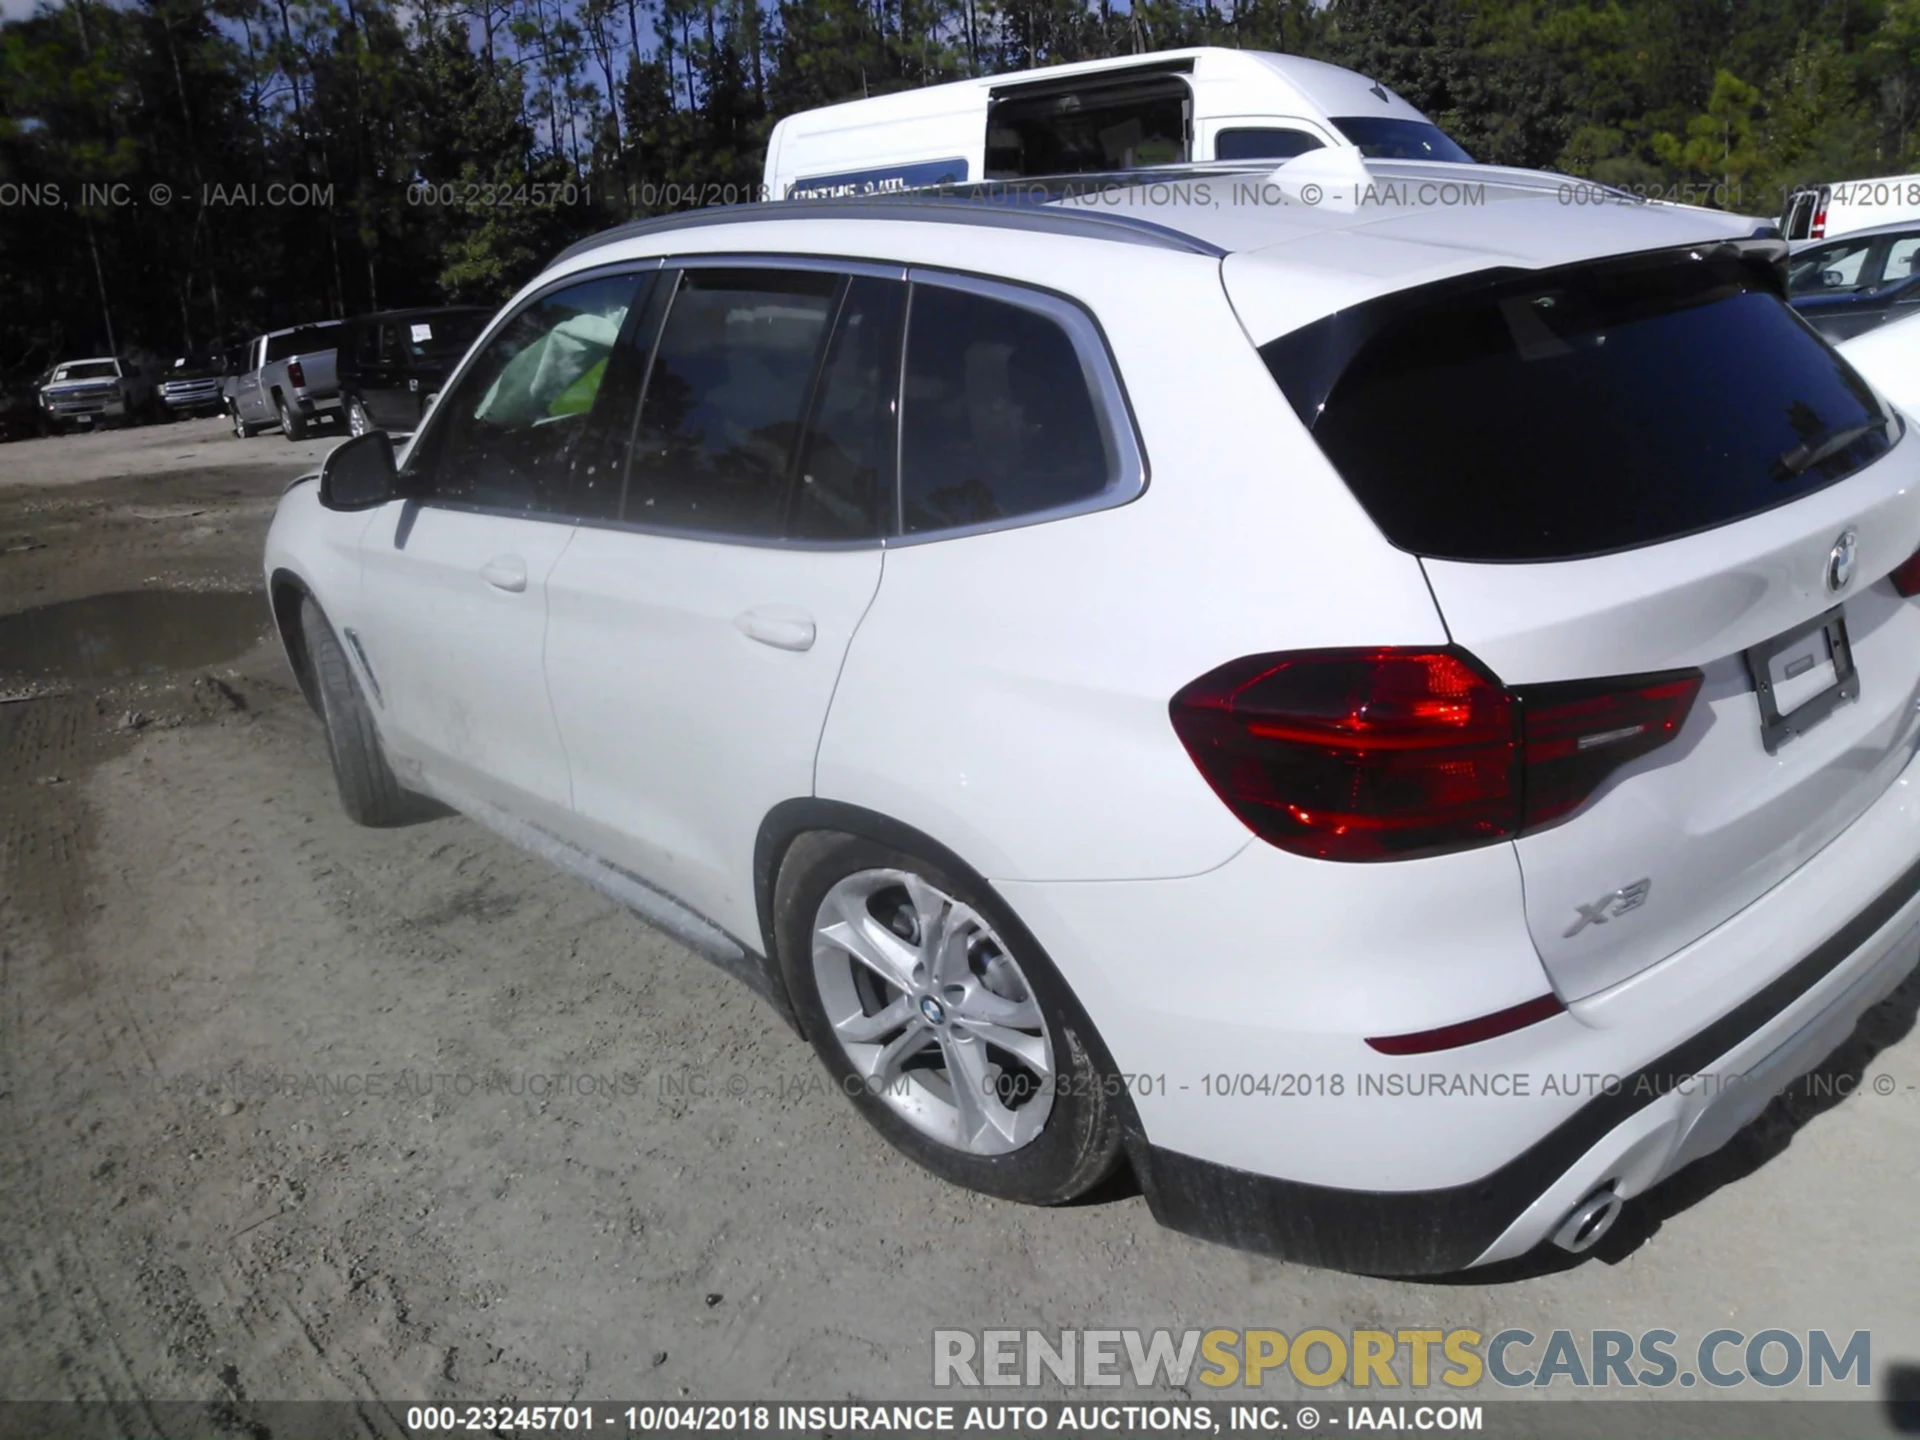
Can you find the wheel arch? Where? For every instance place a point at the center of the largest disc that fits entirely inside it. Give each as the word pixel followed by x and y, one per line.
pixel 285 592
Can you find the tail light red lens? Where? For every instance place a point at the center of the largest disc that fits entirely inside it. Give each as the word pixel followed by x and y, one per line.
pixel 295 375
pixel 1906 576
pixel 1574 736
pixel 1391 753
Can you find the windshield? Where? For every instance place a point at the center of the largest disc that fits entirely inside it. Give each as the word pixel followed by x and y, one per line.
pixel 1383 139
pixel 1464 419
pixel 87 370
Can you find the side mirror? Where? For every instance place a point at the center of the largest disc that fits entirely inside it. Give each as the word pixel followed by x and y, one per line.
pixel 359 473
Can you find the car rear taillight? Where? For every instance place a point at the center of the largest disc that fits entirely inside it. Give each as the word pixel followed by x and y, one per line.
pixel 1391 753
pixel 295 375
pixel 1575 735
pixel 1819 231
pixel 1906 575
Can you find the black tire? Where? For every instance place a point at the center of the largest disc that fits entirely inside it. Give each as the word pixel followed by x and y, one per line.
pixel 1080 1142
pixel 368 790
pixel 293 426
pixel 241 429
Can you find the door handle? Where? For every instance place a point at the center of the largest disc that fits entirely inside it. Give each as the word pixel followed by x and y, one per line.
pixel 780 626
pixel 505 572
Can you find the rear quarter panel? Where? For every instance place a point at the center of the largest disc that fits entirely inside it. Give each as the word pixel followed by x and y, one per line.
pixel 1008 692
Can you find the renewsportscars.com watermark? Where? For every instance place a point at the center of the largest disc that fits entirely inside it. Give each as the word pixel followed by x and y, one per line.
pixel 1387 1359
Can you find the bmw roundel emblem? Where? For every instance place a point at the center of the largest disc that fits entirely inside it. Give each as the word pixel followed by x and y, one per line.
pixel 1840 561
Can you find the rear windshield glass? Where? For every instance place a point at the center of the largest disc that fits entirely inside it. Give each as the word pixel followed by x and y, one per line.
pixel 304 341
pixel 1568 413
pixel 444 337
pixel 1381 139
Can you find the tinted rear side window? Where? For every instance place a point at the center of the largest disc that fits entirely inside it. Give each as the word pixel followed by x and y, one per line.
pixel 1260 143
pixel 998 418
pixel 1581 411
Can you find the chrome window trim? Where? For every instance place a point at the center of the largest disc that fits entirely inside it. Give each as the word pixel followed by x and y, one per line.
pixel 777 260
pixel 1127 472
pixel 669 532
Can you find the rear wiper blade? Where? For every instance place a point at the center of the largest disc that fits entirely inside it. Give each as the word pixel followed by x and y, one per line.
pixel 1802 458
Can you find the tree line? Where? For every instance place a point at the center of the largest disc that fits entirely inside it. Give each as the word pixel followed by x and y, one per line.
pixel 175 173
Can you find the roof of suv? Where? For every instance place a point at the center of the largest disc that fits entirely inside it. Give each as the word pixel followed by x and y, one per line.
pixel 1352 228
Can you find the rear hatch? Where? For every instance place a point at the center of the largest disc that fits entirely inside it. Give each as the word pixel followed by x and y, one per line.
pixel 1620 472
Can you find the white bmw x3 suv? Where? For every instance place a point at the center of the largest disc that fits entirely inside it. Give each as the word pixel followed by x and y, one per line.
pixel 1396 719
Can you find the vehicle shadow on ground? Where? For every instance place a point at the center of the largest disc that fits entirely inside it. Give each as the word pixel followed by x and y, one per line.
pixel 1903 1398
pixel 1846 1076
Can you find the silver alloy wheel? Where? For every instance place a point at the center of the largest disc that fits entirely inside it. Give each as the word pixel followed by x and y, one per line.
pixel 357 418
pixel 934 1013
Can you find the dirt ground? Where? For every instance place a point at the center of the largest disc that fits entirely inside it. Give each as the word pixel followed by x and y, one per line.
pixel 291 1109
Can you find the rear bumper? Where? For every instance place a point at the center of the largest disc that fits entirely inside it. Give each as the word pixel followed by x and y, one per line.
pixel 1642 1128
pixel 1338 1155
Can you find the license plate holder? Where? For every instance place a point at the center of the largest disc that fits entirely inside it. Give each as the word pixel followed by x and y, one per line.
pixel 1772 666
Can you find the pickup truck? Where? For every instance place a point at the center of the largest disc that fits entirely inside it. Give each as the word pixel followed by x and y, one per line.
pixel 105 390
pixel 191 386
pixel 287 380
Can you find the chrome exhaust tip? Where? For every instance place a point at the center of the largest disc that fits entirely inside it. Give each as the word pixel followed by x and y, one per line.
pixel 1588 1221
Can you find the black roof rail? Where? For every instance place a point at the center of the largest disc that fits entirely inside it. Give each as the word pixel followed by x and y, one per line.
pixel 1010 209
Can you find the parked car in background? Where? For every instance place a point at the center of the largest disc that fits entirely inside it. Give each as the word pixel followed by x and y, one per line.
pixel 1100 667
pixel 191 385
pixel 21 416
pixel 104 390
pixel 391 365
pixel 1849 286
pixel 1827 211
pixel 287 379
pixel 1889 357
pixel 1206 103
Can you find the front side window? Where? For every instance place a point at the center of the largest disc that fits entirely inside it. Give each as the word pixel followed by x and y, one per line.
pixel 1902 262
pixel 726 398
pixel 999 420
pixel 1263 143
pixel 503 436
pixel 1830 269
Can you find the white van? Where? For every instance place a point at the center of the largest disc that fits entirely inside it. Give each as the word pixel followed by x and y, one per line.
pixel 1098 116
pixel 1820 212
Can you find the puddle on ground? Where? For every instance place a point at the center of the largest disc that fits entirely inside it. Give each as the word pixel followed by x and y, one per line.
pixel 134 632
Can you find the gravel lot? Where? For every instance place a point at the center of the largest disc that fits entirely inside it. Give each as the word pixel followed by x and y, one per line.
pixel 249 1147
